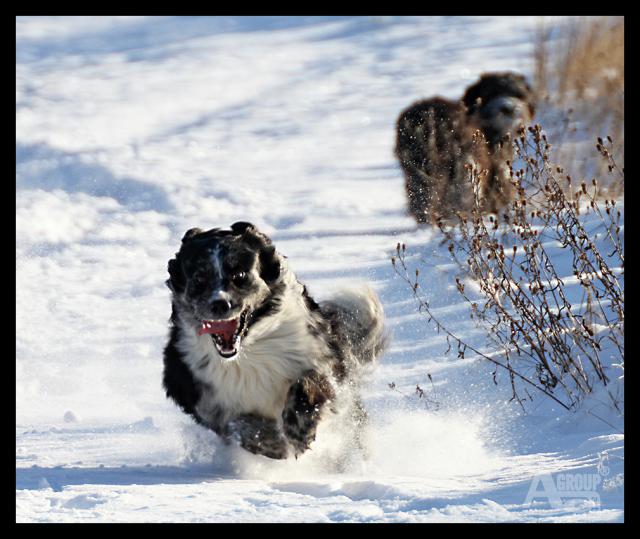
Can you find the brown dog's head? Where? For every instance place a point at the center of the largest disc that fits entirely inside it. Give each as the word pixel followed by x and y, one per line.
pixel 219 278
pixel 499 103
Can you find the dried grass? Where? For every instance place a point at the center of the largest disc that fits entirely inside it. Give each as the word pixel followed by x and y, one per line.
pixel 579 81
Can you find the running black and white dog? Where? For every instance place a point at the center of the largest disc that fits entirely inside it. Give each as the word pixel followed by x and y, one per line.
pixel 251 355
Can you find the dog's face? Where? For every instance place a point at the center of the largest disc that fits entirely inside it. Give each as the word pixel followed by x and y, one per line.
pixel 219 278
pixel 500 102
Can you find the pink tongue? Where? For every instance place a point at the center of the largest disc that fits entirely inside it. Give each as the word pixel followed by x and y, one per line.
pixel 224 328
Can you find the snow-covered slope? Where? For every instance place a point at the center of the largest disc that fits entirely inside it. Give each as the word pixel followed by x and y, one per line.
pixel 130 130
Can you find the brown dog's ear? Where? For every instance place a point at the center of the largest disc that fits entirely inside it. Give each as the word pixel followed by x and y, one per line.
pixel 190 233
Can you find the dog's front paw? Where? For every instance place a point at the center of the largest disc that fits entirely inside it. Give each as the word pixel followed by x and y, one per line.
pixel 260 435
pixel 303 409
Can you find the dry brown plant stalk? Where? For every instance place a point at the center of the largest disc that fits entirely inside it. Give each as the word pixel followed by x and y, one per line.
pixel 540 335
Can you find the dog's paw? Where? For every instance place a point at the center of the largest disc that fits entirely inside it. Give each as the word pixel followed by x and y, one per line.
pixel 259 435
pixel 303 409
pixel 300 427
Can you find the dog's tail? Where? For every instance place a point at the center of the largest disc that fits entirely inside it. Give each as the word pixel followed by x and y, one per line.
pixel 357 319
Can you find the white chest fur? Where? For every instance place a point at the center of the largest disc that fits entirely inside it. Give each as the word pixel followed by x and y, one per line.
pixel 277 349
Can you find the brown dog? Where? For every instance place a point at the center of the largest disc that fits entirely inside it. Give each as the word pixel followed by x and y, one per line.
pixel 437 138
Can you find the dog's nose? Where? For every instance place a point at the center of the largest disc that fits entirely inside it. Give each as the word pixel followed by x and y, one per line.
pixel 220 307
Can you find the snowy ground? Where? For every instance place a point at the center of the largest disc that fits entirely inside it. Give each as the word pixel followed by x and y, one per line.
pixel 130 131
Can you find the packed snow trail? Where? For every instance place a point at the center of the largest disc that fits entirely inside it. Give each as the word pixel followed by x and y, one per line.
pixel 130 130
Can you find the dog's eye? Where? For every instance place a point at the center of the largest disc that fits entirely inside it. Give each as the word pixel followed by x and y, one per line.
pixel 239 277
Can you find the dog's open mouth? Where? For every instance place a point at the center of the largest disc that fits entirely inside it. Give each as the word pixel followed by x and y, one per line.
pixel 226 334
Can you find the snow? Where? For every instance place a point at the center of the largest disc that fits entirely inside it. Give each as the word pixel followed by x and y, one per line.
pixel 130 130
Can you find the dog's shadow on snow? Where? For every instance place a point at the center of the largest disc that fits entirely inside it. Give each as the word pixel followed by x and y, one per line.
pixel 56 478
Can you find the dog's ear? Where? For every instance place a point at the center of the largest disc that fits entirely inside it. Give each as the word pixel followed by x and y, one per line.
pixel 241 227
pixel 269 264
pixel 269 259
pixel 250 235
pixel 190 233
pixel 176 281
